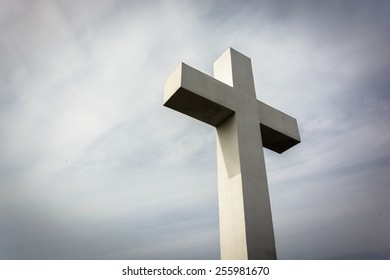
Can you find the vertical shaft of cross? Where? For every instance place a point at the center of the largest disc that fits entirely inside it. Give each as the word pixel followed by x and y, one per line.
pixel 246 230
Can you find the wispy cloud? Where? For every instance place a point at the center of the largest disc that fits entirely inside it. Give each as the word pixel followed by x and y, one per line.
pixel 94 167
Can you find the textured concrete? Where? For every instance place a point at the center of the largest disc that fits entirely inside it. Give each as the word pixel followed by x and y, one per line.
pixel 244 125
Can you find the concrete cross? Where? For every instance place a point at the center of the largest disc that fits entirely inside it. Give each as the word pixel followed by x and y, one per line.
pixel 244 125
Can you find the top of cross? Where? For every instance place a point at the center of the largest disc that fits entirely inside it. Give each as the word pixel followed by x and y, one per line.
pixel 232 90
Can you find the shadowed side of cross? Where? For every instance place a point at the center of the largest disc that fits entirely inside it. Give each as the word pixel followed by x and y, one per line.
pixel 244 124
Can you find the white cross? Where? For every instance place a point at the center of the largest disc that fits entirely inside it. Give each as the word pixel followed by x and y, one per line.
pixel 244 125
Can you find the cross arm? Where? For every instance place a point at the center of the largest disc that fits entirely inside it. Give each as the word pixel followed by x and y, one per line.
pixel 279 131
pixel 197 95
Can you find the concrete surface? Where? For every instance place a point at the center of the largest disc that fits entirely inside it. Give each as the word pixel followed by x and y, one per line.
pixel 244 125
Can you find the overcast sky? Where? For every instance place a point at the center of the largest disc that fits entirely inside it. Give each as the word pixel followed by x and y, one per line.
pixel 92 166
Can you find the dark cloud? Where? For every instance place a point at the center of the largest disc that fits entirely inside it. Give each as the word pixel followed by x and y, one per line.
pixel 93 167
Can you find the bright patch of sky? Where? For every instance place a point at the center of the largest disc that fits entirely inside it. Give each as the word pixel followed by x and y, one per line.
pixel 94 167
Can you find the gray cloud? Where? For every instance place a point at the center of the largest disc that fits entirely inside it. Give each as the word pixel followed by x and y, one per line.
pixel 93 166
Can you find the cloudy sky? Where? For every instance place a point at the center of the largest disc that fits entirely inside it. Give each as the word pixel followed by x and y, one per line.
pixel 92 165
